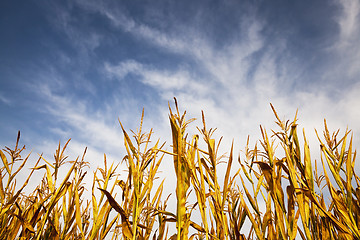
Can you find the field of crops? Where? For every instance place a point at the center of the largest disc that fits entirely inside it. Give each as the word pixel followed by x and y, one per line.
pixel 298 200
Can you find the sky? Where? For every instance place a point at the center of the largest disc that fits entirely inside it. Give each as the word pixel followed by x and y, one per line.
pixel 71 69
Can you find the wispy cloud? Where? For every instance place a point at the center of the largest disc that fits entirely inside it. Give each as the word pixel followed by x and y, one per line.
pixel 244 75
pixel 233 83
pixel 93 129
pixel 346 52
pixel 4 99
pixel 349 20
pixel 160 80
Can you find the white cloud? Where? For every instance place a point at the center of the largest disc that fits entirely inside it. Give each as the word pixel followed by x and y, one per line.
pixel 93 129
pixel 349 20
pixel 124 68
pixel 345 50
pixel 161 80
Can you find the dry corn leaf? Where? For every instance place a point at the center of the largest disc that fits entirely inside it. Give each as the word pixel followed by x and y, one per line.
pixel 124 219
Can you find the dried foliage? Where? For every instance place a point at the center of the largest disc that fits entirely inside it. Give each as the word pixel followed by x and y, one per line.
pixel 276 194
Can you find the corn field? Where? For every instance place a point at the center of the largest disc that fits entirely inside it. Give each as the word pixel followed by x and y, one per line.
pixel 269 195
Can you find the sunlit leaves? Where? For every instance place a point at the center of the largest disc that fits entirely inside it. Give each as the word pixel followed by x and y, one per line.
pixel 275 189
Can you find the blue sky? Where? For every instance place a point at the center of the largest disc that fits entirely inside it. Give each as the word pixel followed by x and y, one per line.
pixel 70 69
